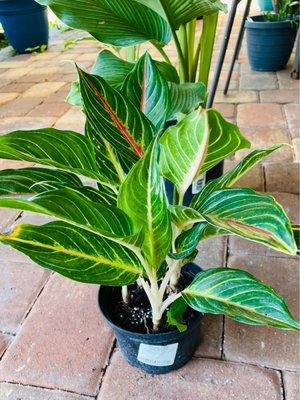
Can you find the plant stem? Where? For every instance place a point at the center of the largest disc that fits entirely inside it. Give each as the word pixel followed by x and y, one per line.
pixel 162 52
pixel 169 301
pixel 191 31
pixel 125 294
pixel 207 45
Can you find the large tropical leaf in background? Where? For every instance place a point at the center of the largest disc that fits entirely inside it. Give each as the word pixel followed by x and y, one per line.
pixel 119 23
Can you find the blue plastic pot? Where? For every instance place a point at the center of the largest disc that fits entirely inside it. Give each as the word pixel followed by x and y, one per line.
pixel 265 5
pixel 269 44
pixel 154 353
pixel 25 24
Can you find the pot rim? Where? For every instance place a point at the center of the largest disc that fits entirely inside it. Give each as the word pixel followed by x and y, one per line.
pixel 139 336
pixel 252 23
pixel 190 269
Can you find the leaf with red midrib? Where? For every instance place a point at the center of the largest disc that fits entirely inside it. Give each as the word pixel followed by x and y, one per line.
pixel 114 117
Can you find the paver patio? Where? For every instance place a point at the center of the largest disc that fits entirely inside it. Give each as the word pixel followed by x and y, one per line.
pixel 54 345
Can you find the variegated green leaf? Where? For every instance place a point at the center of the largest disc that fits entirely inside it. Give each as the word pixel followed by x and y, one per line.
pixel 66 150
pixel 35 180
pixel 224 140
pixel 181 11
pixel 114 71
pixel 240 296
pixel 183 216
pixel 185 97
pixel 71 206
pixel 187 242
pixel 76 253
pixel 254 216
pixel 296 234
pixel 148 90
pixel 114 117
pixel 183 149
pixel 120 23
pixel 107 158
pixel 142 197
pixel 229 178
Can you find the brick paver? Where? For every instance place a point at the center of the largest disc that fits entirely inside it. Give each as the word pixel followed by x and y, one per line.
pixel 10 391
pixel 199 379
pixel 291 385
pixel 61 347
pixel 262 345
pixel 63 344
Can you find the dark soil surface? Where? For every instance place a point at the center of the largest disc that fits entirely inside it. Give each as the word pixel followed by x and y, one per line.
pixel 136 316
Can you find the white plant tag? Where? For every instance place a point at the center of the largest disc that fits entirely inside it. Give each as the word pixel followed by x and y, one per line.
pixel 198 184
pixel 159 356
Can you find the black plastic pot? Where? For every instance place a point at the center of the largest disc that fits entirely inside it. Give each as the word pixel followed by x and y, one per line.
pixel 25 24
pixel 269 44
pixel 154 353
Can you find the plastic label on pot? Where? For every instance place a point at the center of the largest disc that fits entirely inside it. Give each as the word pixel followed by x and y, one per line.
pixel 198 184
pixel 160 356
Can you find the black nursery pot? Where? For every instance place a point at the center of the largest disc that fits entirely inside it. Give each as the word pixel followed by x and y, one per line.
pixel 154 353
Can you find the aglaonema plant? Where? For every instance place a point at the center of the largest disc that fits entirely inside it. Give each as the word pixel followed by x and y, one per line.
pixel 124 25
pixel 122 229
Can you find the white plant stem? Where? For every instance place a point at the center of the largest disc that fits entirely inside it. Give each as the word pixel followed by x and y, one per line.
pixel 125 294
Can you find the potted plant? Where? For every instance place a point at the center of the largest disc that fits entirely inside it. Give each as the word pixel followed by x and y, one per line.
pixel 155 22
pixel 25 23
pixel 271 37
pixel 265 5
pixel 123 233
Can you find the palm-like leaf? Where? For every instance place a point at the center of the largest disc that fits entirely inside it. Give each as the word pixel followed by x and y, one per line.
pixel 240 296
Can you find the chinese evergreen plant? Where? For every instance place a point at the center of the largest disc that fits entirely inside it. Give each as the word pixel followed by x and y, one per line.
pixel 123 230
pixel 127 24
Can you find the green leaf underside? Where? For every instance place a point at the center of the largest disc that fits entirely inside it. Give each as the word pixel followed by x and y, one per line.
pixel 257 217
pixel 142 197
pixel 35 180
pixel 240 296
pixel 183 148
pixel 148 90
pixel 296 234
pixel 175 314
pixel 76 253
pixel 75 208
pixel 66 150
pixel 119 23
pixel 229 178
pixel 185 97
pixel 114 117
pixel 182 11
pixel 224 140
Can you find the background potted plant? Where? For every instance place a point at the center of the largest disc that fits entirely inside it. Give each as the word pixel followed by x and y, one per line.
pixel 25 23
pixel 271 37
pixel 265 5
pixel 123 233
